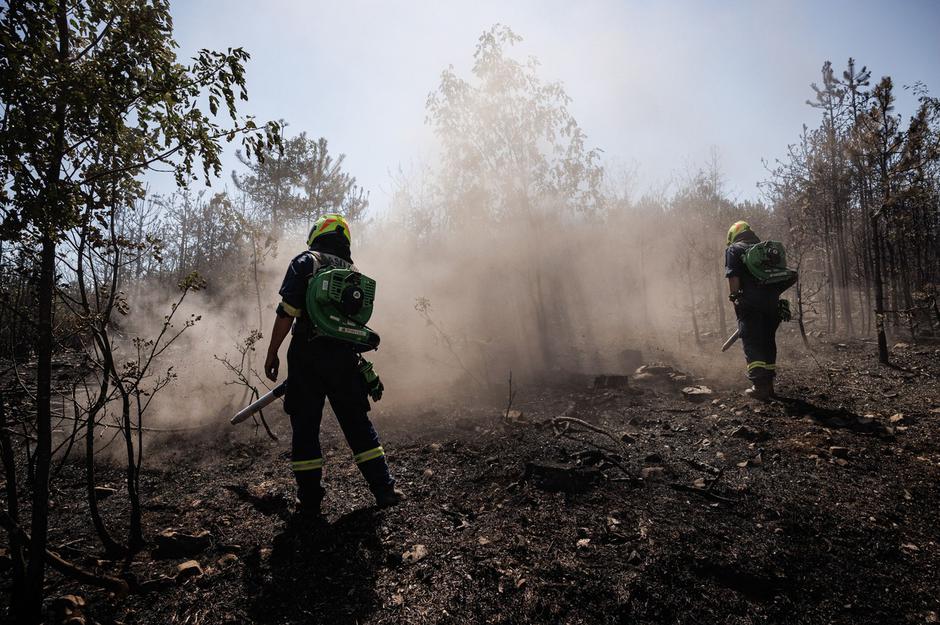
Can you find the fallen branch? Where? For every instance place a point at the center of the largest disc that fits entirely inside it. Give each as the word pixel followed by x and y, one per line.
pixel 589 426
pixel 115 585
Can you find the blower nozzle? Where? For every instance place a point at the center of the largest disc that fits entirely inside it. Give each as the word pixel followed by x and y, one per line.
pixel 261 402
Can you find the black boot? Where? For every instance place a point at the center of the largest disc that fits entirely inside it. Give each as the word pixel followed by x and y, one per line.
pixel 762 390
pixel 388 497
pixel 310 493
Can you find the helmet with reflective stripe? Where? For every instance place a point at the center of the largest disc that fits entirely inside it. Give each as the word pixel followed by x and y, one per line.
pixel 737 228
pixel 331 222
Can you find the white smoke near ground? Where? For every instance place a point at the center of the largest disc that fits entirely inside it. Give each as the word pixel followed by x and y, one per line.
pixel 457 313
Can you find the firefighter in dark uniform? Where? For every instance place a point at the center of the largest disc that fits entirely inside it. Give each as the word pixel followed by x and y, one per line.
pixel 321 368
pixel 756 307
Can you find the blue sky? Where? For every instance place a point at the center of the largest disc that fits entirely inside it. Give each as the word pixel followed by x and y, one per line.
pixel 654 84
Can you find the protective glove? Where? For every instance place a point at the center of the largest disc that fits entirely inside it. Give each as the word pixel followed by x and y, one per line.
pixel 374 385
pixel 376 390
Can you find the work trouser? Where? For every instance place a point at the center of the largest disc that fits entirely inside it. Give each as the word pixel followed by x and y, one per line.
pixel 317 370
pixel 758 337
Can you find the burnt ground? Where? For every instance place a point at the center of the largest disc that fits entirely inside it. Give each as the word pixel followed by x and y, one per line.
pixel 823 507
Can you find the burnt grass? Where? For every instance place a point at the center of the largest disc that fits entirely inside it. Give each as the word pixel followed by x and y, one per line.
pixel 818 508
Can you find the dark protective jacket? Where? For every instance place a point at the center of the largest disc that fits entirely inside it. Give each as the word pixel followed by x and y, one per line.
pixel 754 296
pixel 302 268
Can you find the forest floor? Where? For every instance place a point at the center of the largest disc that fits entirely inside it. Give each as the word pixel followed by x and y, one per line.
pixel 821 507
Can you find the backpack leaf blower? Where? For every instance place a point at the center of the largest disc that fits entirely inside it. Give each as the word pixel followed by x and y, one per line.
pixel 339 303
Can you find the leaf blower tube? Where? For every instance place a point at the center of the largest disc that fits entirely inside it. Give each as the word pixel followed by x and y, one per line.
pixel 261 402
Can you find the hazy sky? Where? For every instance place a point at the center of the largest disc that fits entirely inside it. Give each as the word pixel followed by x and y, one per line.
pixel 655 84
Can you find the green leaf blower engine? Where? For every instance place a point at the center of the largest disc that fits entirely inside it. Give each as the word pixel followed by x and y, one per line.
pixel 339 303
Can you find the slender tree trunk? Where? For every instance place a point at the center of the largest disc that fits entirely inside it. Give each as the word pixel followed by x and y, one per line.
pixel 695 328
pixel 799 312
pixel 135 535
pixel 17 555
pixel 36 570
pixel 39 524
pixel 111 547
pixel 720 301
pixel 879 293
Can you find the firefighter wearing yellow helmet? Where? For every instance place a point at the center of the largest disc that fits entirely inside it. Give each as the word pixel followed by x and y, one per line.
pixel 757 275
pixel 322 367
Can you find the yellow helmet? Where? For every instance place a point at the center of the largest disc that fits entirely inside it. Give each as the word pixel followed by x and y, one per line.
pixel 737 228
pixel 330 222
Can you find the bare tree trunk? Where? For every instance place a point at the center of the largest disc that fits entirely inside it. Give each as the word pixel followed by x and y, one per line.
pixel 111 547
pixel 36 570
pixel 720 300
pixel 695 328
pixel 135 536
pixel 879 293
pixel 799 312
pixel 17 555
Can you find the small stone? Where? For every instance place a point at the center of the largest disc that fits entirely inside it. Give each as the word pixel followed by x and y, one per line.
pixel 103 492
pixel 173 544
pixel 839 452
pixel 634 557
pixel 415 554
pixel 555 477
pixel 227 560
pixel 158 584
pixel 649 473
pixel 748 433
pixel 699 483
pixel 483 540
pixel 435 446
pixel 428 473
pixel 68 605
pixel 697 393
pixel 186 570
pixel 611 381
pixel 584 543
pixel 896 418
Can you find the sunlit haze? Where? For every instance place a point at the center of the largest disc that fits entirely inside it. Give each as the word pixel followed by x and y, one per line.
pixel 654 84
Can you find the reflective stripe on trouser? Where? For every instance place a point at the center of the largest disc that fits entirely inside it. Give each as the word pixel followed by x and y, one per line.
pixel 758 338
pixel 762 365
pixel 318 371
pixel 306 465
pixel 370 454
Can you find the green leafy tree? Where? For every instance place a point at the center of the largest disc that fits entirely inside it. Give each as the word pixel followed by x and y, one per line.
pixel 92 94
pixel 298 182
pixel 514 155
pixel 510 143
